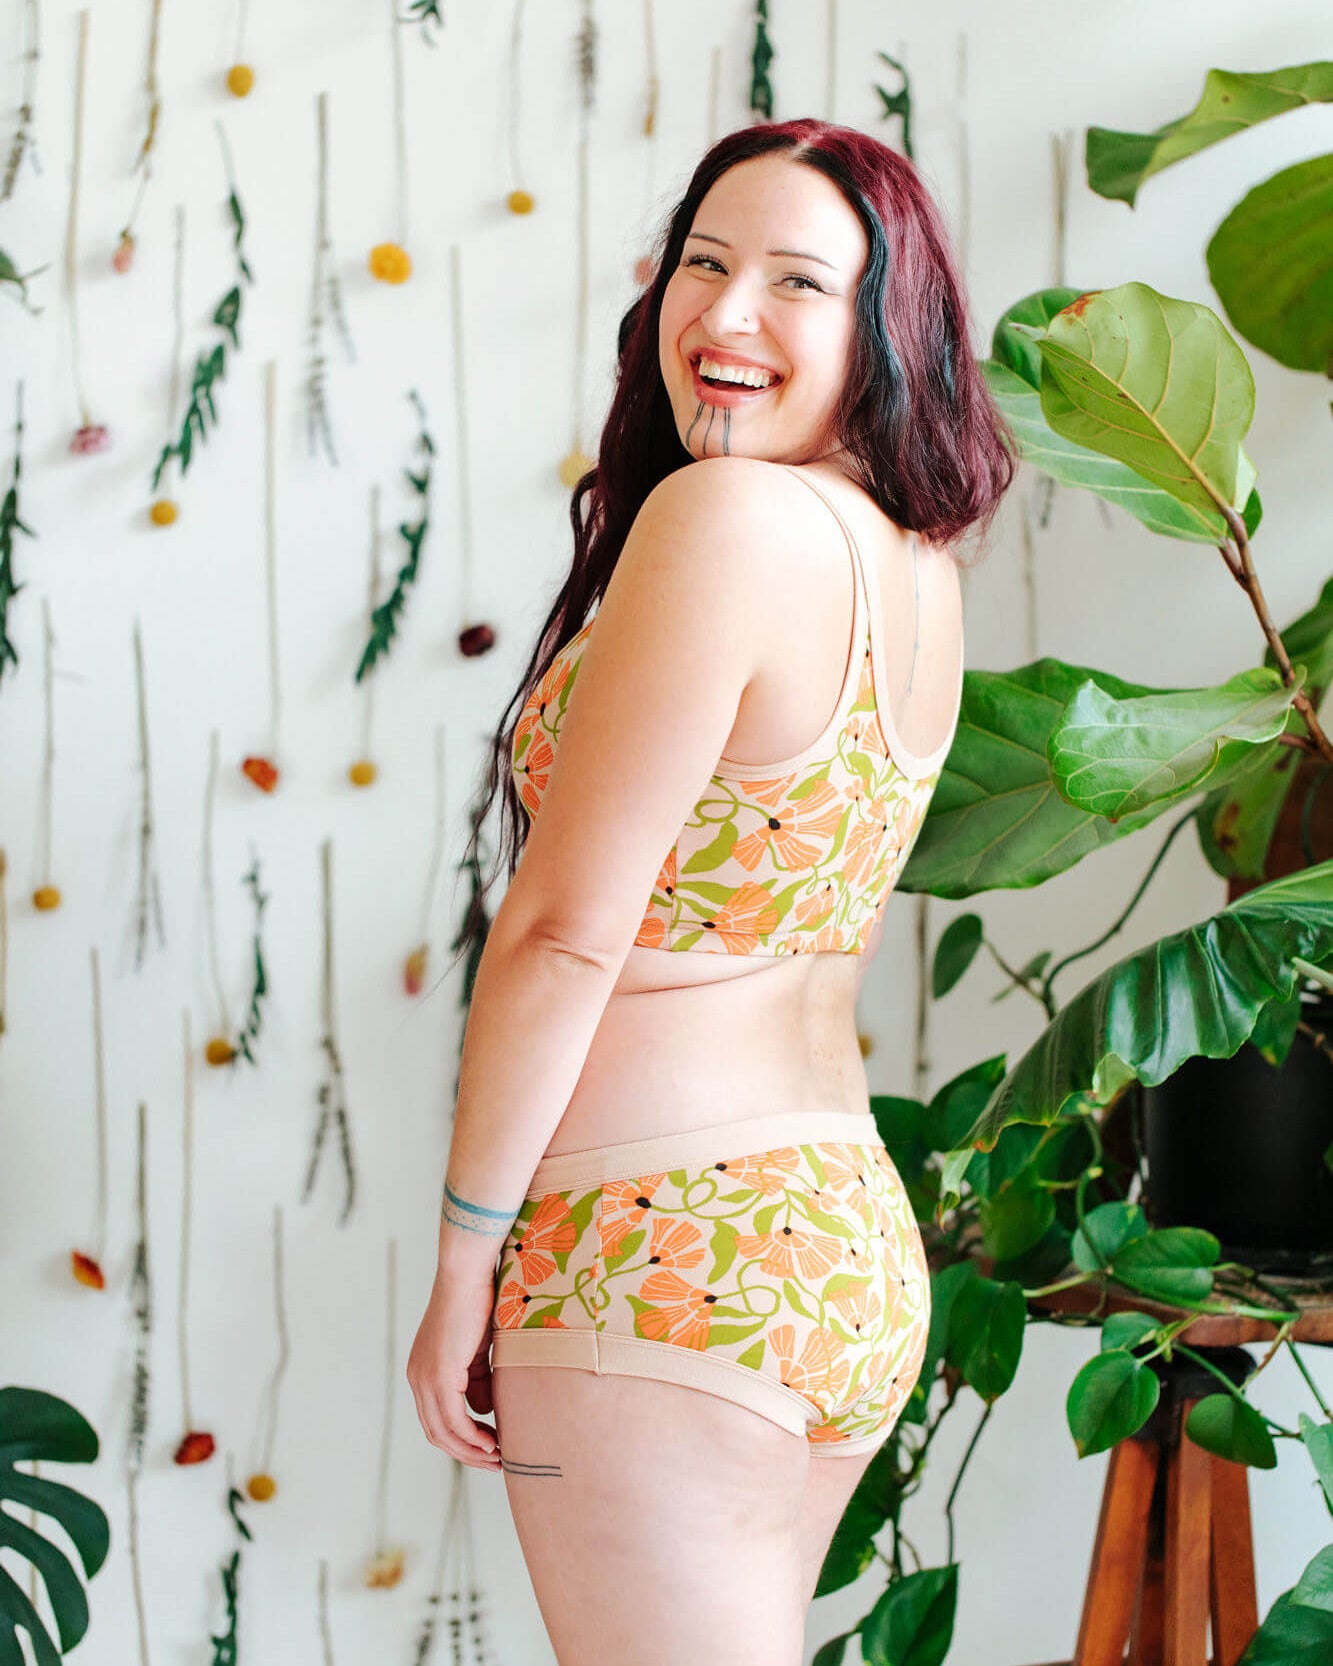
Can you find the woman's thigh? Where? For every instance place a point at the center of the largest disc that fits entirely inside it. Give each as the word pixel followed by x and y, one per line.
pixel 660 1524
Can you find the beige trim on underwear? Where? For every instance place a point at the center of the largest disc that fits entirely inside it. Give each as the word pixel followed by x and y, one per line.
pixel 599 1164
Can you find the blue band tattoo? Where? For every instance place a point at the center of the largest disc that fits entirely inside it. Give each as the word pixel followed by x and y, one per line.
pixel 472 1217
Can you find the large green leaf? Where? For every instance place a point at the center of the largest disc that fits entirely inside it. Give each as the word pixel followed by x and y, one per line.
pixel 34 1424
pixel 1157 383
pixel 1118 163
pixel 1013 375
pixel 912 1623
pixel 1292 1634
pixel 1115 757
pixel 1112 1395
pixel 1197 992
pixel 1271 262
pixel 996 819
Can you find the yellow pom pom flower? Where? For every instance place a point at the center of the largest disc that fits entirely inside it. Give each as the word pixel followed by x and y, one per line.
pixel 240 79
pixel 163 512
pixel 521 202
pixel 390 263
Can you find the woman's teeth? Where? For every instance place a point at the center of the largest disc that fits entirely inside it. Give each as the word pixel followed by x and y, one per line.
pixel 711 371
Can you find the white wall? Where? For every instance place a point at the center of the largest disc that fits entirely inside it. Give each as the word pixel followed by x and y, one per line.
pixel 1114 597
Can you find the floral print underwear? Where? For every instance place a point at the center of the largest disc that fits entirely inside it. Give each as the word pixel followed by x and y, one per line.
pixel 774 1261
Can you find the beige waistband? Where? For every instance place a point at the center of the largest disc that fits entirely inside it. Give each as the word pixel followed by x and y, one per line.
pixel 598 1164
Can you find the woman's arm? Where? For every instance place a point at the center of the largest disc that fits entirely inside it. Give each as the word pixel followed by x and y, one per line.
pixel 686 620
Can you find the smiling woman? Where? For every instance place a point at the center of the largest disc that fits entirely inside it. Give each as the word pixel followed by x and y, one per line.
pixel 675 1258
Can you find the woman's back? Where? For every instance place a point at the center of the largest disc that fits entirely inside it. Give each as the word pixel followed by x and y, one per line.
pixel 714 1037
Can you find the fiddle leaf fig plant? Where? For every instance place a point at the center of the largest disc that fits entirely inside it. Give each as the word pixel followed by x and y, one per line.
pixel 1144 400
pixel 36 1425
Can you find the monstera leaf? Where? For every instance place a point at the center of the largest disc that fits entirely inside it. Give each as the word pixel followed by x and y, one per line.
pixel 38 1425
pixel 1014 375
pixel 1197 992
pixel 1271 262
pixel 1118 163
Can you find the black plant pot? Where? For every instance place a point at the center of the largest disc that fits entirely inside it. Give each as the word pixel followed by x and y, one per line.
pixel 1237 1147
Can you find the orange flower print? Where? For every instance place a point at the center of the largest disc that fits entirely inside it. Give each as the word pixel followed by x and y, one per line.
pixel 814 909
pixel 675 1243
pixel 797 833
pixel 858 1307
pixel 536 771
pixel 750 914
pixel 763 1171
pixel 844 1167
pixel 549 1233
pixel 792 1252
pixel 683 1316
pixel 862 848
pixel 510 1305
pixel 822 1371
pixel 625 1203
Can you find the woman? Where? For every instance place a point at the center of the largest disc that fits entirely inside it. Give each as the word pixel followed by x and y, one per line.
pixel 711 1299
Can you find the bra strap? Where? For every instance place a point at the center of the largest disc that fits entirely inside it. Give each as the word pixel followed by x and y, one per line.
pixel 858 564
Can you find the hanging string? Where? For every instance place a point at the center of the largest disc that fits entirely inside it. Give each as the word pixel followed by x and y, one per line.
pixel 367 707
pixel 271 546
pixel 143 164
pixel 241 9
pixel 714 93
pixel 1061 157
pixel 399 128
pixel 46 797
pixel 72 221
pixel 390 1389
pixel 178 316
pixel 187 1173
pixel 440 839
pixel 587 63
pixel 831 59
pixel 461 422
pixel 99 1111
pixel 269 1408
pixel 210 895
pixel 141 1291
pixel 325 1632
pixel 332 1094
pixel 964 158
pixel 516 171
pixel 317 413
pixel 4 937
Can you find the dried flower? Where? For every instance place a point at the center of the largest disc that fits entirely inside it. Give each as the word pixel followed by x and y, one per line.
pixel 93 436
pixel 46 897
pixel 123 258
pixel 574 467
pixel 197 1447
pixel 86 1271
pixel 240 79
pixel 475 640
pixel 261 772
pixel 521 202
pixel 362 773
pixel 414 970
pixel 163 512
pixel 390 263
pixel 219 1051
pixel 385 1569
pixel 261 1487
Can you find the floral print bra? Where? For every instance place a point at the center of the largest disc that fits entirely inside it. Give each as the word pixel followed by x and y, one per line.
pixel 793 857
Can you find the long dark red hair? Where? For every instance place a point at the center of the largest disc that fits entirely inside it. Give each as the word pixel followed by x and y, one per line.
pixel 922 433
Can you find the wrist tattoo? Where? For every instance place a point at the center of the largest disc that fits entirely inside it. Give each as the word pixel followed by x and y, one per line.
pixel 489 1223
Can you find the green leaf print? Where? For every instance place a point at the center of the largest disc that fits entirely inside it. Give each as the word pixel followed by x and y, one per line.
pixel 632 1242
pixel 737 1197
pixel 831 1223
pixel 724 1249
pixel 838 1282
pixel 679 1179
pixel 753 1357
pixel 711 857
pixel 582 1208
pixel 764 1218
pixel 721 1336
pixel 793 1298
pixel 536 1315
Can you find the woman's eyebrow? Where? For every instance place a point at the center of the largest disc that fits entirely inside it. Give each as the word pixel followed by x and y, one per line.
pixel 790 254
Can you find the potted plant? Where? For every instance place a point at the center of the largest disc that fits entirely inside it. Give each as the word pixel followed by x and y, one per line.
pixel 1029 1178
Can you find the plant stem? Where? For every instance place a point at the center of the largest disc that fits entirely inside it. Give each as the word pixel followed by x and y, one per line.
pixel 1310 1382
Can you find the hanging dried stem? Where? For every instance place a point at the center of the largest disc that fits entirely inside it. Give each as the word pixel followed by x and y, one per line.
pixel 271 549
pixel 72 221
pixel 390 1393
pixel 332 1094
pixel 209 889
pixel 24 140
pixel 586 48
pixel 427 13
pixel 318 429
pixel 899 103
pixel 516 173
pixel 148 895
pixel 325 1630
pixel 143 163
pixel 211 367
pixel 372 601
pixel 830 59
pixel 426 1636
pixel 384 620
pixel 253 1023
pixel 399 129
pixel 439 840
pixel 136 1568
pixel 10 523
pixel 964 157
pixel 761 56
pixel 142 1295
pixel 4 937
pixel 99 1111
pixel 187 1182
pixel 269 1409
pixel 225 1644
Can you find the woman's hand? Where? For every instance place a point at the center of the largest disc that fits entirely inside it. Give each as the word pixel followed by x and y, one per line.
pixel 449 1370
